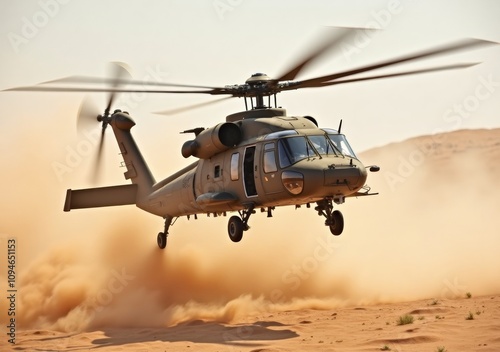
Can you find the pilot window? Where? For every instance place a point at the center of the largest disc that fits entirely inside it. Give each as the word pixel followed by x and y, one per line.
pixel 269 158
pixel 294 149
pixel 341 144
pixel 322 145
pixel 235 161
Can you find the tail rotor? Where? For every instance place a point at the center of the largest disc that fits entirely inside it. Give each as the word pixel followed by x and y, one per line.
pixel 89 113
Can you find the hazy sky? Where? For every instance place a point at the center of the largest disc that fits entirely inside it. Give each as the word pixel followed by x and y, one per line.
pixel 219 42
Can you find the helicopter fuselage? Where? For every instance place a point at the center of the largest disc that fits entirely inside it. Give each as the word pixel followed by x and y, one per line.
pixel 281 160
pixel 259 158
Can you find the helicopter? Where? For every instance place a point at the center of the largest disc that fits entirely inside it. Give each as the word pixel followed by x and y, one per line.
pixel 259 158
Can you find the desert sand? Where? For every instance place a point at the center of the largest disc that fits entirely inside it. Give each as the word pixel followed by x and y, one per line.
pixel 428 241
pixel 437 323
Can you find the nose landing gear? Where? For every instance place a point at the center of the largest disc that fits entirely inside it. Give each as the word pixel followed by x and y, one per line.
pixel 337 223
pixel 334 218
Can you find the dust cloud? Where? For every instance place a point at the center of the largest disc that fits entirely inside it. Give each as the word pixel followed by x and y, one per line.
pixel 431 233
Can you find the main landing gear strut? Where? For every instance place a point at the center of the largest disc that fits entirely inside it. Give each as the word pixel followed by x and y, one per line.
pixel 161 239
pixel 237 224
pixel 334 218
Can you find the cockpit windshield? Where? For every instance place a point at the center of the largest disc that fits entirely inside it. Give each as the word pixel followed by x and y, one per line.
pixel 293 149
pixel 323 145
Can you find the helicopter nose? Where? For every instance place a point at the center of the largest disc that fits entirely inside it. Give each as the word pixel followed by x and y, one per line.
pixel 345 177
pixel 327 177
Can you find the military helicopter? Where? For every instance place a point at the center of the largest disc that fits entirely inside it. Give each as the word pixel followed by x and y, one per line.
pixel 259 158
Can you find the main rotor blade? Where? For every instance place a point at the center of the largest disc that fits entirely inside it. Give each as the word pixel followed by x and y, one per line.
pixel 465 44
pixel 100 80
pixel 108 90
pixel 190 107
pixel 342 34
pixel 406 73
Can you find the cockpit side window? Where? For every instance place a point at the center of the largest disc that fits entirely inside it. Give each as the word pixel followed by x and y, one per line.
pixel 341 144
pixel 269 158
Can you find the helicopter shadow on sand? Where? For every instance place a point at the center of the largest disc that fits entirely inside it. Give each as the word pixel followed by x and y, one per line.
pixel 198 331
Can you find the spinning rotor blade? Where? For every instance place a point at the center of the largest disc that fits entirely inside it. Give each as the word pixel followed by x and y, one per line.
pixel 334 39
pixel 116 82
pixel 407 73
pixel 319 81
pixel 108 90
pixel 190 107
pixel 259 85
pixel 87 115
pixel 96 170
pixel 119 70
pixel 123 82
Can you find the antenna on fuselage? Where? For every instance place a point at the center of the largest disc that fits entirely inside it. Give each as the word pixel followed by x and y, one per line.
pixel 340 127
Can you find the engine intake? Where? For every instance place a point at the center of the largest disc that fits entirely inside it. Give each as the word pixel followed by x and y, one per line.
pixel 213 141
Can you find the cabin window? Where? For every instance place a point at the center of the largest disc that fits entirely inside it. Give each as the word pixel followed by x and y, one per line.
pixel 217 171
pixel 235 161
pixel 269 158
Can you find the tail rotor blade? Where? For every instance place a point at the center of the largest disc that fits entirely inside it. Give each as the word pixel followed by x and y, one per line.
pixel 87 115
pixel 119 72
pixel 96 171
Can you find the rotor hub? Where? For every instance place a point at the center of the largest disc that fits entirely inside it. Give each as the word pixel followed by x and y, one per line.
pixel 258 78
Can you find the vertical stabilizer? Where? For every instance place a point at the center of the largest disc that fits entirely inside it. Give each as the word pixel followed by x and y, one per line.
pixel 137 169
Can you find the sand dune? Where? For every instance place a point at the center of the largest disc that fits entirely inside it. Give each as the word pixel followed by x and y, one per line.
pixel 430 237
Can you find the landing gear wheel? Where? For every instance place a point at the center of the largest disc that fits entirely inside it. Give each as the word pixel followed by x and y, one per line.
pixel 235 228
pixel 337 226
pixel 161 240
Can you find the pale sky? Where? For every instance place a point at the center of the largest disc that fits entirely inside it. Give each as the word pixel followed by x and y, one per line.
pixel 219 42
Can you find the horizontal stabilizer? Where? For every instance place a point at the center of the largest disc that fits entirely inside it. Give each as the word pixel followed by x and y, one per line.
pixel 100 197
